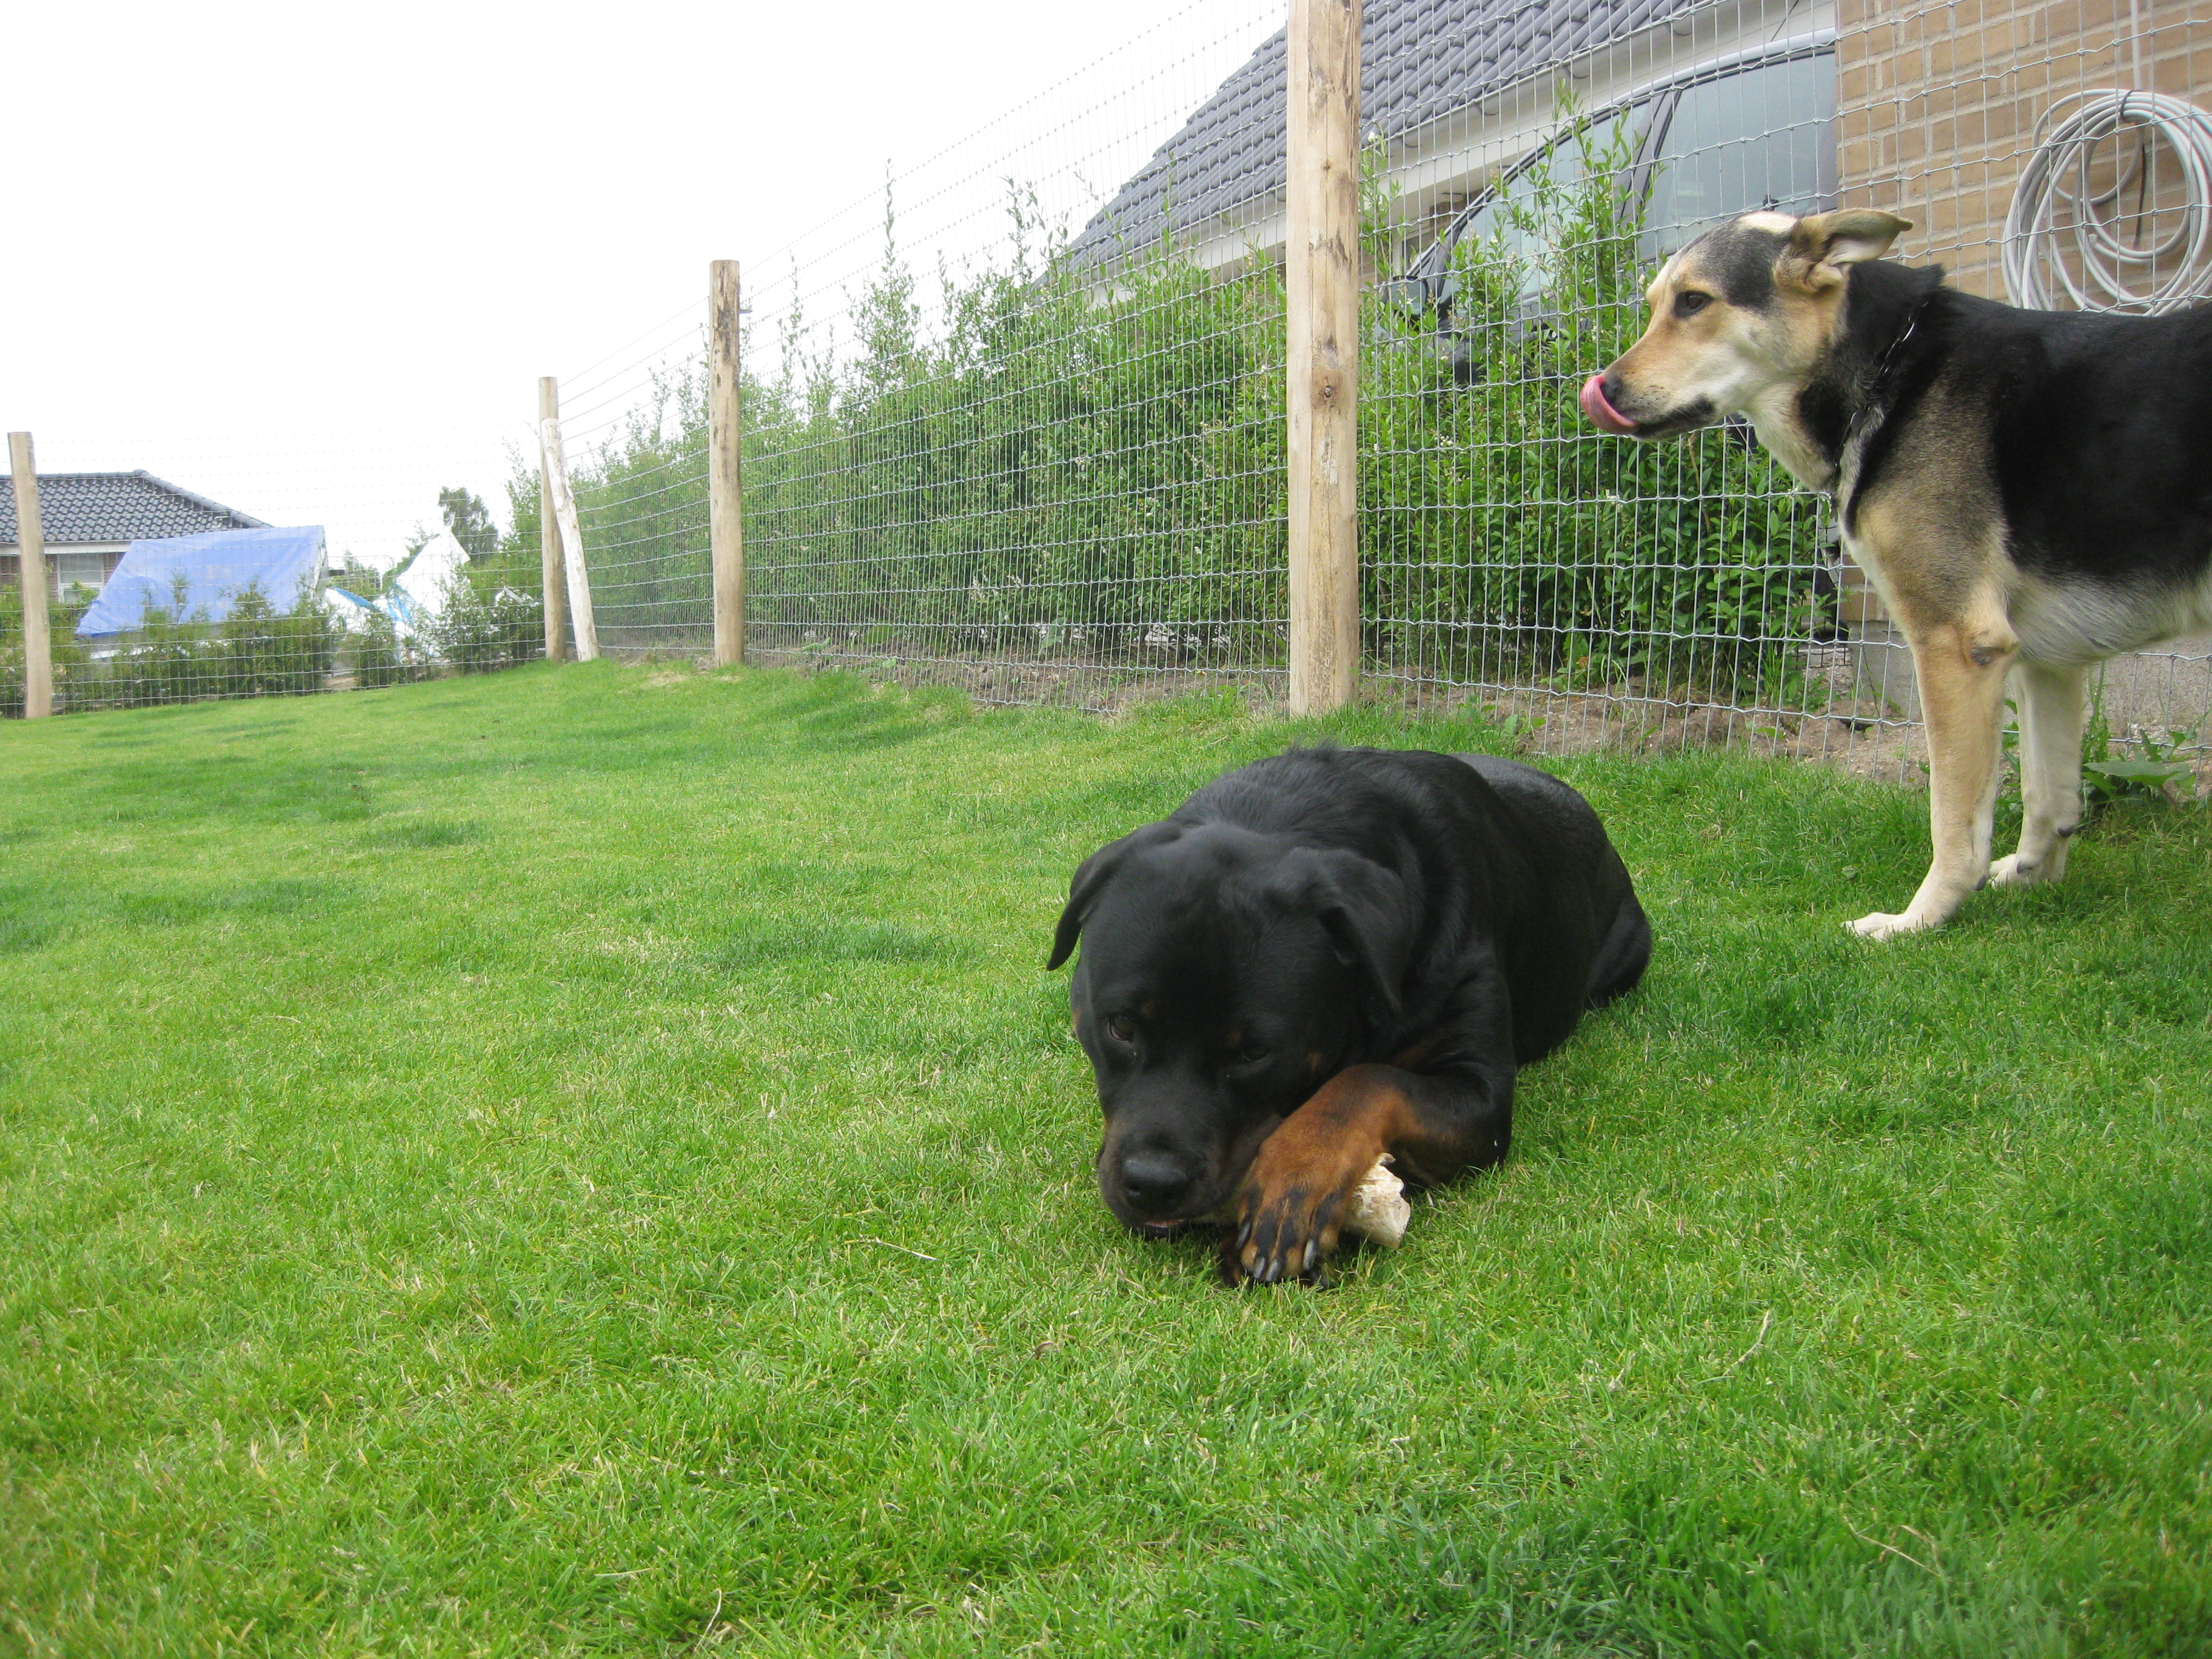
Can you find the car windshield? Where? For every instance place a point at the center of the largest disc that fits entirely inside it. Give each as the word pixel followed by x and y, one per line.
pixel 1504 222
pixel 1762 137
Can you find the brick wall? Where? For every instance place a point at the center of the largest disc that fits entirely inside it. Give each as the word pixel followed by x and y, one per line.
pixel 1937 103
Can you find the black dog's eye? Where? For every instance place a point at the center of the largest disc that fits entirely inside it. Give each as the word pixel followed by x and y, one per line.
pixel 1689 302
pixel 1250 1053
pixel 1120 1028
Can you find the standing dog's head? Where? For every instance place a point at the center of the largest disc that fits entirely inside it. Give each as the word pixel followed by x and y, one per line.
pixel 1225 976
pixel 1741 320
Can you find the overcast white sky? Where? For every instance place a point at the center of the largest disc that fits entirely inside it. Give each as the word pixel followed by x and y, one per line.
pixel 311 260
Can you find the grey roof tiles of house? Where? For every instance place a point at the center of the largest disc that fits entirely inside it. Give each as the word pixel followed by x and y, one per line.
pixel 79 508
pixel 1419 61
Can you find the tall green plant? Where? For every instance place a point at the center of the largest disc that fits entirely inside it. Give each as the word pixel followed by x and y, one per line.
pixel 1502 536
pixel 66 654
pixel 1057 458
pixel 258 649
pixel 1059 467
pixel 478 632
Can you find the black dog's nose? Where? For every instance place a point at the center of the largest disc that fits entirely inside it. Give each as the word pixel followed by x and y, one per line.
pixel 1154 1184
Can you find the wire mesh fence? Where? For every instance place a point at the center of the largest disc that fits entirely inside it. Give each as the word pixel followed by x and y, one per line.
pixel 986 435
pixel 381 570
pixel 260 640
pixel 1015 425
pixel 1015 419
pixel 1512 550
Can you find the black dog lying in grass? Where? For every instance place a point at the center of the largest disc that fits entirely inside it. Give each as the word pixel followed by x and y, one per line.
pixel 1326 956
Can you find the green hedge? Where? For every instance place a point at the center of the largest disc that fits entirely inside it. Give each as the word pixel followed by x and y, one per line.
pixel 1054 459
pixel 258 650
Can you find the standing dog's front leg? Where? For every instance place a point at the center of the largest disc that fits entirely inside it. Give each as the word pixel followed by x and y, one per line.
pixel 2049 775
pixel 1432 1126
pixel 1961 666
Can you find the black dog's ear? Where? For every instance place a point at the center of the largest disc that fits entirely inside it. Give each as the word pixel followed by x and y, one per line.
pixel 1369 918
pixel 1091 878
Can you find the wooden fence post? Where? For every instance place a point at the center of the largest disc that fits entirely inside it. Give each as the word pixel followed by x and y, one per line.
pixel 572 541
pixel 31 538
pixel 550 574
pixel 1323 375
pixel 725 469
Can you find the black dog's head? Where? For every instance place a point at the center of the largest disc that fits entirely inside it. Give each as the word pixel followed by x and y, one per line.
pixel 1225 976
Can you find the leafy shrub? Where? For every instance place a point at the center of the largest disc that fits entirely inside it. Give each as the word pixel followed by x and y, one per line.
pixel 1499 528
pixel 262 652
pixel 477 633
pixel 1058 459
pixel 1071 460
pixel 256 650
pixel 66 654
pixel 379 657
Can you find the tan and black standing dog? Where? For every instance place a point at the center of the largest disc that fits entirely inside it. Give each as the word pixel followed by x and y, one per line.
pixel 2027 490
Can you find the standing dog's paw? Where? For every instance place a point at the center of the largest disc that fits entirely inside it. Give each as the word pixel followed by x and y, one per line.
pixel 2010 872
pixel 1879 926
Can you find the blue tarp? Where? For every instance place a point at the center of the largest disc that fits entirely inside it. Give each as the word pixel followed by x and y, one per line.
pixel 216 567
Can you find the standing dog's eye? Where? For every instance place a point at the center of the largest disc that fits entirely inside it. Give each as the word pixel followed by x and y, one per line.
pixel 1689 302
pixel 1118 1027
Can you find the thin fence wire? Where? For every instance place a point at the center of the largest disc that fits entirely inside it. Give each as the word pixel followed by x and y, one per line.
pixel 1014 418
pixel 975 447
pixel 1017 420
pixel 270 566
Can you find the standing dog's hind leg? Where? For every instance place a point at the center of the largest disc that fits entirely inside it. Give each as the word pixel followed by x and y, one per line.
pixel 1961 666
pixel 2049 775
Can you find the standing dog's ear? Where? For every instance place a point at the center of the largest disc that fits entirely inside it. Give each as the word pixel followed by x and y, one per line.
pixel 1822 244
pixel 1365 910
pixel 1091 878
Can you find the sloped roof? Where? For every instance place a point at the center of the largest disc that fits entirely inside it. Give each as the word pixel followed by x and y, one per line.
pixel 1419 61
pixel 77 508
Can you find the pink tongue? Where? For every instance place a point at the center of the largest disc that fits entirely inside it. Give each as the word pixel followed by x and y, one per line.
pixel 1600 412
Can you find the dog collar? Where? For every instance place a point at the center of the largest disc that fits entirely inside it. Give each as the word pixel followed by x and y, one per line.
pixel 1874 403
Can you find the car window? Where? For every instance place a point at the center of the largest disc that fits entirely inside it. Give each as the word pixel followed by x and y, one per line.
pixel 1761 137
pixel 1495 223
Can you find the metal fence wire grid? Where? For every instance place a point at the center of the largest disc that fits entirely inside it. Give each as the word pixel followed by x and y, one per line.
pixel 1016 421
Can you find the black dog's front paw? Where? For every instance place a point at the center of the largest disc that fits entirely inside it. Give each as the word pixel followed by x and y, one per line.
pixel 1285 1230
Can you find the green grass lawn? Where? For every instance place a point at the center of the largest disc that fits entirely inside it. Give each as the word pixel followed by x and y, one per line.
pixel 588 1159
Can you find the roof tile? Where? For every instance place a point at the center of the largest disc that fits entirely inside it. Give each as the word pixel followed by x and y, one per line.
pixel 80 507
pixel 1419 60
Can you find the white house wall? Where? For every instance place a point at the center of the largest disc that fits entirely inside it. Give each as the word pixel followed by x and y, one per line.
pixel 88 563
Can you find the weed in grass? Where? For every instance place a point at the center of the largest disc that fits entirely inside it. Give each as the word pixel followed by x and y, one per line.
pixel 424 834
pixel 774 940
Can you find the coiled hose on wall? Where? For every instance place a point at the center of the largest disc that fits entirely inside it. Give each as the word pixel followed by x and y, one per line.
pixel 2064 228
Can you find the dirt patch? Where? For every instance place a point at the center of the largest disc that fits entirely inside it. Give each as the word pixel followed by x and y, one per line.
pixel 1626 718
pixel 1628 722
pixel 1860 732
